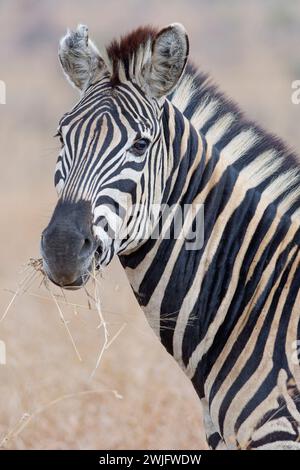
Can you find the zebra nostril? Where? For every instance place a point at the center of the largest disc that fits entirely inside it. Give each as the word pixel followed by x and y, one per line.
pixel 87 247
pixel 87 243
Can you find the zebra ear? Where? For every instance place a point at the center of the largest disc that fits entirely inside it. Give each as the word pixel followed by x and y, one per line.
pixel 80 59
pixel 170 51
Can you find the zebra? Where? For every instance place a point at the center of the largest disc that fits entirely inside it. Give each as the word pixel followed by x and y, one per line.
pixel 150 130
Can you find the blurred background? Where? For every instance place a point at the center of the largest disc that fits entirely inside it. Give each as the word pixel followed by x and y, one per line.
pixel 138 398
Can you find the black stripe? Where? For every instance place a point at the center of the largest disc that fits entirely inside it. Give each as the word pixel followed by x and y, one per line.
pixel 242 297
pixel 255 359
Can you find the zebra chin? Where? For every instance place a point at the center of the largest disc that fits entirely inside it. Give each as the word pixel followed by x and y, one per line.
pixel 66 283
pixel 69 277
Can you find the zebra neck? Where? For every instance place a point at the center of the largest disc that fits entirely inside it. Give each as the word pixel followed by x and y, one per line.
pixel 188 294
pixel 161 271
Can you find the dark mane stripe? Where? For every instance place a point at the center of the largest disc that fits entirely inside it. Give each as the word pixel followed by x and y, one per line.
pixel 123 50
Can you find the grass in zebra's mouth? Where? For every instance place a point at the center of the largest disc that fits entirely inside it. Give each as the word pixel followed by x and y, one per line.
pixel 34 271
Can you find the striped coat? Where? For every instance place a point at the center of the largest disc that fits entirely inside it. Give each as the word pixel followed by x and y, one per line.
pixel 228 312
pixel 234 321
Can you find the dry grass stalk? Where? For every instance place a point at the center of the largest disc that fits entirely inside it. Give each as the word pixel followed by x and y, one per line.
pixel 65 323
pixel 26 418
pixel 49 299
pixel 33 269
pixel 36 265
pixel 107 342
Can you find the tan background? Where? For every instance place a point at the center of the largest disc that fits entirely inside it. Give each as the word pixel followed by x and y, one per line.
pixel 252 50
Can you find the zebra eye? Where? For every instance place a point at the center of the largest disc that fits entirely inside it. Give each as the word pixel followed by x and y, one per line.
pixel 139 147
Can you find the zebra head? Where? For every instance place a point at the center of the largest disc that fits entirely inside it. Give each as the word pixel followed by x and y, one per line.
pixel 113 165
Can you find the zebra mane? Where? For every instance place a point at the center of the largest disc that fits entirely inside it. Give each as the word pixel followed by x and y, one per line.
pixel 124 53
pixel 218 118
pixel 221 121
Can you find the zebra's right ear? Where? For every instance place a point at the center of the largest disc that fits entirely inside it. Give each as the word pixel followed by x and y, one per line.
pixel 80 59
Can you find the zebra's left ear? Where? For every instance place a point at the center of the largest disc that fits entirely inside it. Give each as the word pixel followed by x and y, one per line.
pixel 170 51
pixel 80 59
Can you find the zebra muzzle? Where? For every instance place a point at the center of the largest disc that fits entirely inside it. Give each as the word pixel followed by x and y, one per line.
pixel 68 246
